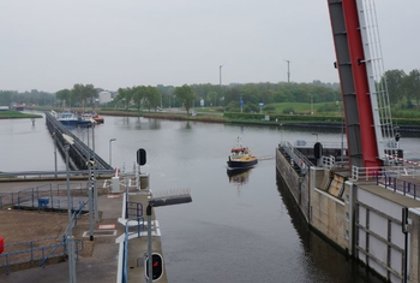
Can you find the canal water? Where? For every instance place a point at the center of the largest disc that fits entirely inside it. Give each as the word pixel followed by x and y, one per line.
pixel 241 229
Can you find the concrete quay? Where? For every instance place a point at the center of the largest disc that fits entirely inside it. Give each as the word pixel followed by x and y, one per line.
pixel 373 218
pixel 99 260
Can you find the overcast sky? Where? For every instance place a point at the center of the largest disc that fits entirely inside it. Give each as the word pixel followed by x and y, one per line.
pixel 53 44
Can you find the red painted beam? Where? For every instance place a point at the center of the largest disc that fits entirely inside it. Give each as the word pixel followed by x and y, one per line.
pixel 367 130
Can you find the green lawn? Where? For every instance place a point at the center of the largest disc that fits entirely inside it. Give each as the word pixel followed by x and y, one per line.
pixel 16 115
pixel 298 107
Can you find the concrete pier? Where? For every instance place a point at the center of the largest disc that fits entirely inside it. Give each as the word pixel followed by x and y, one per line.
pixel 97 260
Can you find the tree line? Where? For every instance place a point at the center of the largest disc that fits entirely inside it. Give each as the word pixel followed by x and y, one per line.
pixel 33 97
pixel 80 95
pixel 404 91
pixel 227 97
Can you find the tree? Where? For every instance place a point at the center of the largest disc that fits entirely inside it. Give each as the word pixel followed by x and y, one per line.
pixel 413 85
pixel 84 93
pixel 6 97
pixel 213 98
pixel 124 95
pixel 186 95
pixel 65 96
pixel 394 81
pixel 152 97
pixel 137 95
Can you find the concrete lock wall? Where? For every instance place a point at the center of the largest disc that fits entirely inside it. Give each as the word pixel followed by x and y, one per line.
pixel 414 257
pixel 328 214
pixel 379 236
pixel 297 185
pixel 362 218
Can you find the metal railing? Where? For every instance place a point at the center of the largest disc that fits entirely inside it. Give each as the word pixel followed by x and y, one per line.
pixel 52 174
pixel 298 158
pixel 369 174
pixel 400 186
pixel 44 197
pixel 381 107
pixel 34 253
pixel 400 179
pixel 79 152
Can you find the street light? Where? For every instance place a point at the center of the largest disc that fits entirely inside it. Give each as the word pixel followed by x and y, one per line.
pixel 156 202
pixel 70 245
pixel 93 168
pixel 55 153
pixel 110 150
pixel 312 104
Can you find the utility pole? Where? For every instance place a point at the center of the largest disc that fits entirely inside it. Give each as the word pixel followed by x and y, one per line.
pixel 222 98
pixel 220 76
pixel 288 70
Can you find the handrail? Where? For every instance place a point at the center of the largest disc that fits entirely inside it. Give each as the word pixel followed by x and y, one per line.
pixel 26 174
pixel 34 253
pixel 367 174
pixel 300 160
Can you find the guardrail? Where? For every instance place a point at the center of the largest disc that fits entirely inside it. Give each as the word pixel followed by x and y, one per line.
pixel 400 186
pixel 369 174
pixel 400 179
pixel 52 174
pixel 298 158
pixel 33 252
pixel 44 197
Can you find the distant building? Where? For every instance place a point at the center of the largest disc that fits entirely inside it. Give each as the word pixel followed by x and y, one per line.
pixel 105 97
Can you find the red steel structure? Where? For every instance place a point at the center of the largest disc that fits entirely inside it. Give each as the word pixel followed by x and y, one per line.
pixel 359 121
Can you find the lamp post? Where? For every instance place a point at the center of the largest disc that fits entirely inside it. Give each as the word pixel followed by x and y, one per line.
pixel 69 237
pixel 312 104
pixel 92 173
pixel 156 202
pixel 110 150
pixel 55 154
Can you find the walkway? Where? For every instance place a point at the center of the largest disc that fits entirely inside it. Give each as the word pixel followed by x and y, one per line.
pixel 98 261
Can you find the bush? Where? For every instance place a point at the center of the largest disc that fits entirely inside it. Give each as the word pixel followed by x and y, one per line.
pixel 250 108
pixel 328 107
pixel 289 110
pixel 269 108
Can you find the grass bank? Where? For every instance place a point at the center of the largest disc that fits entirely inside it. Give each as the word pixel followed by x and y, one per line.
pixel 17 115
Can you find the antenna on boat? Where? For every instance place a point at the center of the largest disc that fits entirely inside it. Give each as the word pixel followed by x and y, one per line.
pixel 238 138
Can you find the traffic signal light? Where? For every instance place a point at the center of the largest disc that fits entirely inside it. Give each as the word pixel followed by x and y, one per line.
pixel 157 266
pixel 141 156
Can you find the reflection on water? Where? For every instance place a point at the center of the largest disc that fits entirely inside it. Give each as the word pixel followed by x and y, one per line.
pixel 324 257
pixel 136 123
pixel 239 177
pixel 188 125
